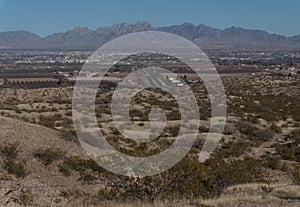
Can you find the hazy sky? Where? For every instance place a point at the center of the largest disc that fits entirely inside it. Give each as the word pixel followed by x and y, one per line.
pixel 47 16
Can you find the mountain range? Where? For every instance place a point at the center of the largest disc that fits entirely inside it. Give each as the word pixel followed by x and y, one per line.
pixel 207 38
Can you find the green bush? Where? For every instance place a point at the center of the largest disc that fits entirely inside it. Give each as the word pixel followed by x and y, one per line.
pixel 79 164
pixel 11 165
pixel 263 135
pixel 295 135
pixel 65 170
pixel 271 161
pixel 26 197
pixel 87 177
pixel 247 129
pixel 187 179
pixel 88 170
pixel 49 155
pixel 233 172
pixel 9 151
pixel 16 168
pixel 233 149
pixel 275 128
pixel 295 174
pixel 47 121
pixel 289 151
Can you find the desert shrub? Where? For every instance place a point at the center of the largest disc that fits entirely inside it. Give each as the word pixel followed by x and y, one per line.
pixel 68 135
pixel 254 133
pixel 174 115
pixel 295 111
pixel 266 189
pixel 11 165
pixel 57 117
pixel 289 151
pixel 53 109
pixel 16 168
pixel 204 111
pixel 263 135
pixel 88 170
pixel 135 113
pixel 187 179
pixel 275 128
pixel 65 170
pixel 67 123
pixel 271 108
pixel 87 177
pixel 107 194
pixel 247 129
pixel 173 131
pixel 252 118
pixel 70 193
pixel 228 130
pixel 233 172
pixel 295 174
pixel 79 164
pixel 141 124
pixel 26 197
pixel 115 131
pixel 61 101
pixel 47 121
pixel 9 151
pixel 295 135
pixel 17 110
pixel 233 149
pixel 68 113
pixel 271 161
pixel 49 155
pixel 203 129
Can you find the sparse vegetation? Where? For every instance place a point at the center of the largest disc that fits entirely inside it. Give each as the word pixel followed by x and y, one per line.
pixel 260 144
pixel 26 197
pixel 49 155
pixel 295 173
pixel 11 164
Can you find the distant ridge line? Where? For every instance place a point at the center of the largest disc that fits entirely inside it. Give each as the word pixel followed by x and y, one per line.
pixel 208 38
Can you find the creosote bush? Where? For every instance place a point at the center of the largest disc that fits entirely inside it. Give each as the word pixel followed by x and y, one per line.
pixel 187 179
pixel 295 173
pixel 49 155
pixel 289 151
pixel 88 169
pixel 233 149
pixel 11 164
